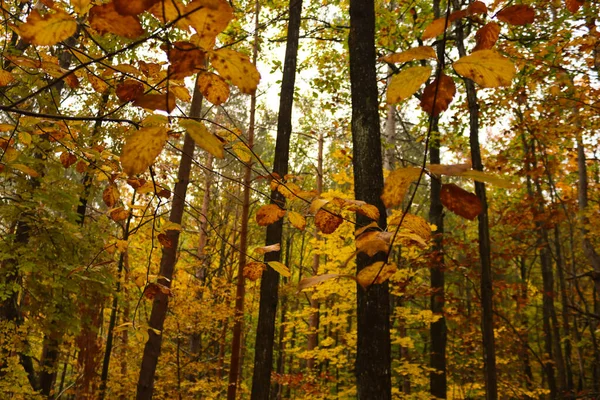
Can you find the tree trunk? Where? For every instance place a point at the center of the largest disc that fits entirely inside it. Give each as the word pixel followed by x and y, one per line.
pixel 160 304
pixel 373 364
pixel 487 312
pixel 265 331
pixel 236 341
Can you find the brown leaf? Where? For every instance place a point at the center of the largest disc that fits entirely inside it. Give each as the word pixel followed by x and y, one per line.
pixel 135 182
pixel 327 222
pixel 487 36
pixel 267 249
pixel 67 159
pixel 133 7
pixel 574 5
pixel 446 89
pixel 268 214
pixel 119 214
pixel 129 90
pixel 110 196
pixel 185 58
pixel 81 167
pixel 105 19
pixel 155 288
pixel 156 101
pixel 253 271
pixel 460 202
pixel 518 14
pixel 165 241
pixel 477 7
pixel 164 193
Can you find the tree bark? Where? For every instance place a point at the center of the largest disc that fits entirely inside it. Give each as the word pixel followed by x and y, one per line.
pixel 265 331
pixel 373 364
pixel 160 304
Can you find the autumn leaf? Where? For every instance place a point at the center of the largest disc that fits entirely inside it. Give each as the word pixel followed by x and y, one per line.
pixel 574 5
pixel 156 101
pixel 129 90
pixel 446 89
pixel 236 68
pixel 203 137
pixel 327 222
pixel 416 53
pixel 487 68
pixel 406 83
pixel 281 268
pixel 242 151
pixel 208 18
pixel 185 59
pixel 111 195
pixel 180 92
pixel 449 169
pixel 373 242
pixel 414 224
pixel 267 249
pixel 105 19
pixel 316 205
pixel 119 214
pixel 98 84
pixel 460 202
pixel 213 87
pixel 438 26
pixel 518 14
pixel 25 169
pixel 315 280
pixel 141 149
pixel 481 176
pixel 487 36
pixel 396 185
pixel 49 29
pixel 133 7
pixel 376 273
pixel 168 11
pixel 253 270
pixel 81 7
pixel 268 214
pixel 6 78
pixel 297 220
pixel 477 7
pixel 67 159
pixel 369 211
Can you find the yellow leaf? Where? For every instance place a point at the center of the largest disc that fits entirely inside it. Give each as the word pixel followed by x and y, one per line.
pixel 236 68
pixel 111 195
pixel 81 6
pixel 450 169
pixel 168 11
pixel 214 88
pixel 181 92
pixel 267 249
pixel 372 242
pixel 6 78
pixel 208 18
pixel 24 168
pixel 416 53
pixel 49 29
pixel 105 19
pixel 438 26
pixel 406 83
pixel 203 137
pixel 297 220
pixel 9 155
pixel 242 151
pixel 268 214
pixel 122 245
pixel 413 223
pixel 280 268
pixel 378 272
pixel 316 205
pixel 487 68
pixel 141 149
pixel 97 84
pixel 481 176
pixel 397 184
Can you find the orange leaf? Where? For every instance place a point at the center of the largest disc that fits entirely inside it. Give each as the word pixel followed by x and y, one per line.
pixel 67 159
pixel 254 270
pixel 268 214
pixel 119 214
pixel 574 5
pixel 214 88
pixel 519 14
pixel 327 222
pixel 460 202
pixel 477 7
pixel 446 89
pixel 208 18
pixel 487 36
pixel 156 101
pixel 185 58
pixel 449 169
pixel 438 26
pixel 168 11
pixel 129 90
pixel 110 196
pixel 49 29
pixel 376 273
pixel 6 78
pixel 105 19
pixel 373 242
pixel 133 7
pixel 416 53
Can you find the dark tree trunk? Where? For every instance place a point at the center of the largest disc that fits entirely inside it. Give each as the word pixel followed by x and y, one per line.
pixel 373 369
pixel 160 304
pixel 265 331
